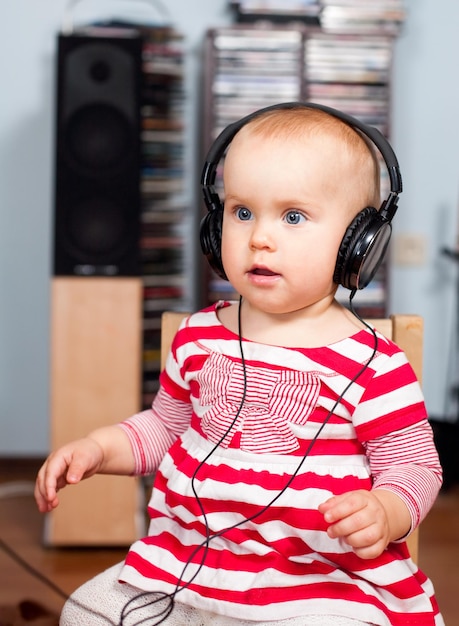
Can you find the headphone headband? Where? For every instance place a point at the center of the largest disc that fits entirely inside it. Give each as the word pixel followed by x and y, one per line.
pixel 354 269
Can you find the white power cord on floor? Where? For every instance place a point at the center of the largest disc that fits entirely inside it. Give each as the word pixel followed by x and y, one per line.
pixel 17 488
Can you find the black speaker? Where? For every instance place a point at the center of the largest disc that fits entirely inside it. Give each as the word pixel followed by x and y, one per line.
pixel 97 156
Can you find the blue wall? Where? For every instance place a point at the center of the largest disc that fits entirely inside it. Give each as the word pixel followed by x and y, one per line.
pixel 426 138
pixel 425 135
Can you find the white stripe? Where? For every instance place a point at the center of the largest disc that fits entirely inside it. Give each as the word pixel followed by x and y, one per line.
pixel 387 403
pixel 276 610
pixel 243 580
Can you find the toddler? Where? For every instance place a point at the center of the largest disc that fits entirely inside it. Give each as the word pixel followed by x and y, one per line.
pixel 290 441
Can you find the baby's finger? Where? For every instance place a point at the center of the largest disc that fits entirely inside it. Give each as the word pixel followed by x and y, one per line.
pixel 80 466
pixel 340 507
pixel 45 492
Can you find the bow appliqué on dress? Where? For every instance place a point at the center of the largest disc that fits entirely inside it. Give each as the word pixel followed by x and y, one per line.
pixel 273 400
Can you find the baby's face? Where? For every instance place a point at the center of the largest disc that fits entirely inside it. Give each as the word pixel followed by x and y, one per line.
pixel 287 206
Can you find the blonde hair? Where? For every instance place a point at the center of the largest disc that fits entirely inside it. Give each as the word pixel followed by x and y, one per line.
pixel 303 122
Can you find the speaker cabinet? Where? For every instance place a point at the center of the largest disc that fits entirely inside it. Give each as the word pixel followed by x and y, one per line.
pixel 95 381
pixel 97 157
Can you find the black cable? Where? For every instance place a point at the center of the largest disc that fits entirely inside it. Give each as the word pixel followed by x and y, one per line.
pixel 205 544
pixel 167 610
pixel 365 323
pixel 31 570
pixel 209 537
pixel 216 446
pixel 47 581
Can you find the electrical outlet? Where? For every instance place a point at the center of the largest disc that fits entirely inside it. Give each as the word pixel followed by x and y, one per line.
pixel 410 249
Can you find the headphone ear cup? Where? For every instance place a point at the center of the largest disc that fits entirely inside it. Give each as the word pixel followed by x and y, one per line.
pixel 210 235
pixel 358 240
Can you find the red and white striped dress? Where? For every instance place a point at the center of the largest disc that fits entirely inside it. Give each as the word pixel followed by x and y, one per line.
pixel 213 489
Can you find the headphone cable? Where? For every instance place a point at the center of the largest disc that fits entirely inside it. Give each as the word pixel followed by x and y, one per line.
pixel 204 545
pixel 164 613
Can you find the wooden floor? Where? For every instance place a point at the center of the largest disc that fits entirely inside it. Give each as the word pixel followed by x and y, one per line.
pixel 21 528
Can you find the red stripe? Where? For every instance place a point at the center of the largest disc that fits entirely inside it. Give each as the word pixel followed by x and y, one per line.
pixel 390 381
pixel 271 595
pixel 389 422
pixel 267 480
pixel 218 559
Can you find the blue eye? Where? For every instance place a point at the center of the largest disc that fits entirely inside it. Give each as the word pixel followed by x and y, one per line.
pixel 244 214
pixel 294 217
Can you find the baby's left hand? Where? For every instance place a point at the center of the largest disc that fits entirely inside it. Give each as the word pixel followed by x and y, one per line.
pixel 361 519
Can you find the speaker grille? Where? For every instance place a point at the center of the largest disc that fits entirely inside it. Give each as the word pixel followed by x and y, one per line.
pixel 97 193
pixel 98 140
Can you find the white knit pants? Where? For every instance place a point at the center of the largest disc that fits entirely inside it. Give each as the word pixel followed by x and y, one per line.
pixel 100 602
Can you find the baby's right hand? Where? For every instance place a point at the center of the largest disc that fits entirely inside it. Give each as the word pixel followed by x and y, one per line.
pixel 66 466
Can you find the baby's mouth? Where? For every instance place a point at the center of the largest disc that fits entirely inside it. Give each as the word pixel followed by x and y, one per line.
pixel 262 271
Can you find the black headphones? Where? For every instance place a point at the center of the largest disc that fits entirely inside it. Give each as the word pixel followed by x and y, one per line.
pixel 366 239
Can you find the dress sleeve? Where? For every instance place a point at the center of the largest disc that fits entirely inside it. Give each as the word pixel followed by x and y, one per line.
pixel 152 432
pixel 392 398
pixel 406 462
